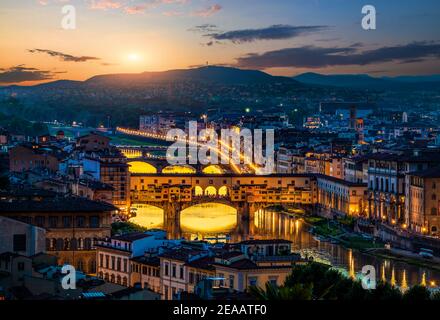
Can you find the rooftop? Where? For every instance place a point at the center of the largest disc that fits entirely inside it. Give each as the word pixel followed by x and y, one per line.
pixel 428 173
pixel 150 261
pixel 70 204
pixel 340 181
pixel 130 237
pixel 265 241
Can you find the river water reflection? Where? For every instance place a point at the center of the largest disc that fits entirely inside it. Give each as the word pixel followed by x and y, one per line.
pixel 216 222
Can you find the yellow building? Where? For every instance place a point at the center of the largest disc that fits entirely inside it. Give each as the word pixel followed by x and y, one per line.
pixel 422 205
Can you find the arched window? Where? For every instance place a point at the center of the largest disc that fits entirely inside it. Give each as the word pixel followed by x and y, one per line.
pixel 118 281
pixel 87 244
pixel 112 278
pixel 434 211
pixel 198 191
pixel 434 196
pixel 223 191
pixel 74 244
pixel 60 244
pixel 124 282
pixel 80 265
pixel 101 275
pixel 106 276
pixel 434 229
pixel 92 266
pixel 210 191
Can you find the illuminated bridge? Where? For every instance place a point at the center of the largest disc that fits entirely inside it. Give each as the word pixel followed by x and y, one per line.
pixel 246 193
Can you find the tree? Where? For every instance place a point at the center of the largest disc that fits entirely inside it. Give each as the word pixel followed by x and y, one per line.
pixel 417 293
pixel 384 292
pixel 274 292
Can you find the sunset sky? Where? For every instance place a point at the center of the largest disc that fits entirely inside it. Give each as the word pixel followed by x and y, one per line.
pixel 282 37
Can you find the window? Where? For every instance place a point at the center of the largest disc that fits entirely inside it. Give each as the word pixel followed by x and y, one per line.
pixel 181 273
pixel 273 280
pixel 118 265
pixel 53 222
pixel 166 269
pixel 231 281
pixel 253 281
pixel 67 222
pixel 173 271
pixel 19 242
pixel 434 196
pixel 80 222
pixel 39 221
pixel 94 222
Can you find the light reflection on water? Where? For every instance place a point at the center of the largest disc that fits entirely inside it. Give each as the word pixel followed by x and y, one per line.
pixel 148 216
pixel 209 221
pixel 213 217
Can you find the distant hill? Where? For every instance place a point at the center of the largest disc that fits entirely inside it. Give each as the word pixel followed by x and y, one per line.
pixel 206 75
pixel 364 81
pixel 209 74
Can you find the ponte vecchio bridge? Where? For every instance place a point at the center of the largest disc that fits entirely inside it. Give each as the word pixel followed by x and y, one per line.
pixel 246 193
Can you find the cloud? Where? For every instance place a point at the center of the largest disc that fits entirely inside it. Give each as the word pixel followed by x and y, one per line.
pixel 21 73
pixel 275 32
pixel 209 11
pixel 46 2
pixel 64 56
pixel 203 28
pixel 320 57
pixel 106 4
pixel 142 8
pixel 139 9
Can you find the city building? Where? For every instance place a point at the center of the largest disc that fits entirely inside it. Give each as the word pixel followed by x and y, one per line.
pixel 20 237
pixel 386 181
pixel 174 271
pixel 73 226
pixel 29 156
pixel 145 270
pixel 157 124
pixel 341 197
pixel 93 142
pixel 114 254
pixel 422 201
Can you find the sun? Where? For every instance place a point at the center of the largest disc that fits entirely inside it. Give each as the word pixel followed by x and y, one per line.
pixel 133 57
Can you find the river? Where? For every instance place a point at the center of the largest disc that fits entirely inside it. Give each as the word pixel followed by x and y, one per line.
pixel 215 222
